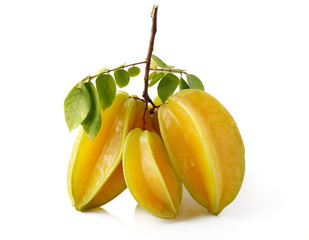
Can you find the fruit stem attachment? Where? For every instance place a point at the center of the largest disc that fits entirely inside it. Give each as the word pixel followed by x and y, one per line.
pixel 148 59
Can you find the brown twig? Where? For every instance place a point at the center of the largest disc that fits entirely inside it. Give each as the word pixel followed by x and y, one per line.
pixel 89 78
pixel 148 59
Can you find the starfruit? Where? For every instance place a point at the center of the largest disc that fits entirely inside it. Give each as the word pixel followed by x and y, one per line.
pixel 205 147
pixel 155 122
pixel 149 174
pixel 95 174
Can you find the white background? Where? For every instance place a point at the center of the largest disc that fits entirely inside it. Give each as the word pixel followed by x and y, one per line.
pixel 253 56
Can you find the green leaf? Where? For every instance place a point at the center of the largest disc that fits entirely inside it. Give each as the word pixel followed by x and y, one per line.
pixel 152 75
pixel 134 71
pixel 101 71
pixel 194 82
pixel 92 122
pixel 167 86
pixel 77 105
pixel 159 61
pixel 156 79
pixel 106 88
pixel 153 65
pixel 122 78
pixel 183 84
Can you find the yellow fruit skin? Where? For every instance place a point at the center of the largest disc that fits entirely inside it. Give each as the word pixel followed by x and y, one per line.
pixel 95 173
pixel 113 186
pixel 149 174
pixel 157 101
pixel 205 147
pixel 155 122
pixel 139 123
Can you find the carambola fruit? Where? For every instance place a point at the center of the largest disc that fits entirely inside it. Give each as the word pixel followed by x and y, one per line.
pixel 205 147
pixel 149 174
pixel 95 173
pixel 201 147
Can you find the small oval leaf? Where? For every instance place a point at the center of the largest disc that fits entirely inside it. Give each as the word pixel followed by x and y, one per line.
pixel 167 86
pixel 183 84
pixel 194 82
pixel 122 78
pixel 77 105
pixel 152 75
pixel 156 79
pixel 92 122
pixel 106 88
pixel 134 71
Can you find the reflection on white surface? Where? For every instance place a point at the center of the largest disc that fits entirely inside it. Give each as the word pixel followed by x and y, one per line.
pixel 189 209
pixel 102 213
pixel 191 216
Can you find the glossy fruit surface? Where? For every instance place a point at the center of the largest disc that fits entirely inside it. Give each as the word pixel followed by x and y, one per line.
pixel 95 173
pixel 139 122
pixel 205 147
pixel 155 122
pixel 149 174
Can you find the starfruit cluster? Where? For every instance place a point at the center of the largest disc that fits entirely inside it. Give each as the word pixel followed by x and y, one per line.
pixel 190 140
